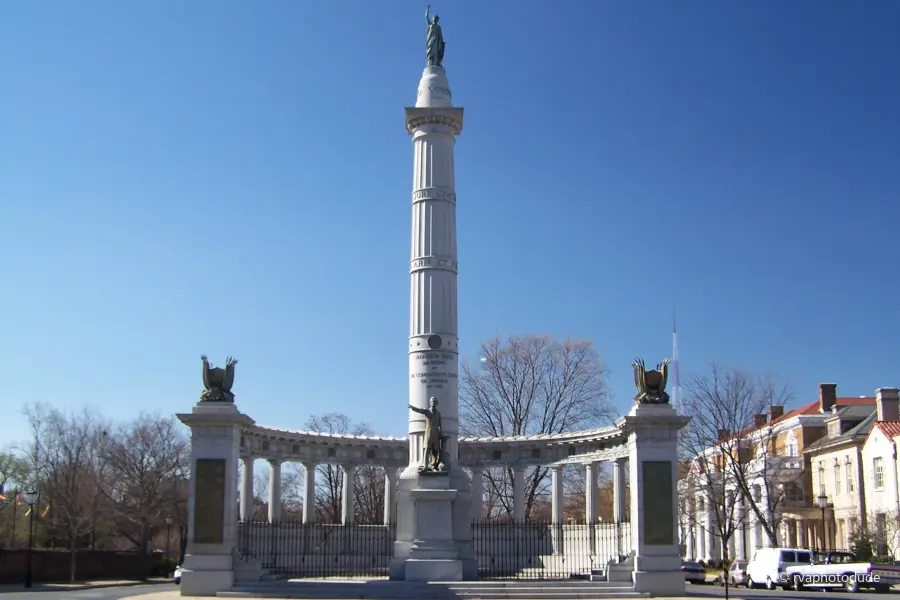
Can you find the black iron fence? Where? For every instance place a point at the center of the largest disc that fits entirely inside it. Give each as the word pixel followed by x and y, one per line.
pixel 547 550
pixel 295 550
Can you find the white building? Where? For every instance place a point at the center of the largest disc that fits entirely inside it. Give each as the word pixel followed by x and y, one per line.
pixel 881 476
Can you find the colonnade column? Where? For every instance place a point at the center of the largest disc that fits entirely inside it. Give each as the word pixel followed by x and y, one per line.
pixel 274 490
pixel 800 526
pixel 709 526
pixel 390 486
pixel 247 489
pixel 590 493
pixel 557 495
pixel 619 511
pixel 347 499
pixel 477 494
pixel 518 494
pixel 309 492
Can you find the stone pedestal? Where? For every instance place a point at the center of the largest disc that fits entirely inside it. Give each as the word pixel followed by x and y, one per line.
pixel 434 539
pixel 652 431
pixel 212 505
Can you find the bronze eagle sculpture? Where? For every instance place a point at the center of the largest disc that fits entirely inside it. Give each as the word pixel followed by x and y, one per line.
pixel 217 382
pixel 651 385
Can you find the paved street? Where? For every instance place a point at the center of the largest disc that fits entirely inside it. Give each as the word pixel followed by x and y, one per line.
pixel 114 593
pixel 712 591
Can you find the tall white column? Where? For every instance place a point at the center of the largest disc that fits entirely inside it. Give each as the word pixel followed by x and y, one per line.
pixel 590 493
pixel 709 525
pixel 247 489
pixel 433 322
pixel 619 510
pixel 347 496
pixel 557 495
pixel 434 513
pixel 309 492
pixel 518 494
pixel 274 491
pixel 390 487
pixel 477 494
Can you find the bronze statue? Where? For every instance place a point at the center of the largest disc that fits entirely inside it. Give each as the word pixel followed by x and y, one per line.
pixel 651 385
pixel 433 452
pixel 217 381
pixel 434 41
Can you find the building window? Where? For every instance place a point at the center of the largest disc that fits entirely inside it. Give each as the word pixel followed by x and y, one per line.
pixel 792 448
pixel 878 468
pixel 837 478
pixel 821 479
pixel 848 468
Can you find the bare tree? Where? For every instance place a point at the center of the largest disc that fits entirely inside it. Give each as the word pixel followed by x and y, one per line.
pixel 67 461
pixel 527 385
pixel 146 459
pixel 369 484
pixel 730 445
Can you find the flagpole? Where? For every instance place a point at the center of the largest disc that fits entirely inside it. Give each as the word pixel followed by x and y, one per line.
pixel 676 377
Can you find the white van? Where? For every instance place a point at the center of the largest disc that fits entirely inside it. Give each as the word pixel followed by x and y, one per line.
pixel 768 564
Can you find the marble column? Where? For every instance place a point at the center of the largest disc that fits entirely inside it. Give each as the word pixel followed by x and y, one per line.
pixel 477 494
pixel 348 503
pixel 800 533
pixel 754 533
pixel 274 491
pixel 518 494
pixel 557 495
pixel 390 485
pixel 590 492
pixel 309 492
pixel 709 526
pixel 247 489
pixel 619 506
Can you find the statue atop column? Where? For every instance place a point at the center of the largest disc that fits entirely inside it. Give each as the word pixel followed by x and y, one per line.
pixel 651 385
pixel 433 459
pixel 217 382
pixel 434 41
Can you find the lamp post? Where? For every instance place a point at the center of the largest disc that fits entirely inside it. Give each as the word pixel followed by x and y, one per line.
pixel 30 498
pixel 822 502
pixel 168 534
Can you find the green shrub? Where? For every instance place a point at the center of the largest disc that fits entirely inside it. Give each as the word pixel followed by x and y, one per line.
pixel 164 567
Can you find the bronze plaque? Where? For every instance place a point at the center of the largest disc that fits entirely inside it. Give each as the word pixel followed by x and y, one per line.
pixel 209 501
pixel 658 504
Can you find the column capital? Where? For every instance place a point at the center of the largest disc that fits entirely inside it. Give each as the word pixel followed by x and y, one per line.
pixel 275 462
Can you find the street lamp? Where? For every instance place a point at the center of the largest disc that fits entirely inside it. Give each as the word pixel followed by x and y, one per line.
pixel 30 498
pixel 168 533
pixel 822 502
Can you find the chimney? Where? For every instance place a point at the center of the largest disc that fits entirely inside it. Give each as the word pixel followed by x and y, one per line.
pixel 776 412
pixel 724 434
pixel 827 397
pixel 759 420
pixel 887 403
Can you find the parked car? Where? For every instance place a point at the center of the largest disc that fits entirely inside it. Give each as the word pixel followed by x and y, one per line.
pixel 694 572
pixel 768 566
pixel 736 574
pixel 843 570
pixel 176 578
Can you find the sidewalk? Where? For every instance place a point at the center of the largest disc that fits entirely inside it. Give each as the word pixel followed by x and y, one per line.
pixel 176 594
pixel 79 585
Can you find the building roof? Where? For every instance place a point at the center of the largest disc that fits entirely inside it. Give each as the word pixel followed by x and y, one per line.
pixel 857 433
pixel 889 428
pixel 812 409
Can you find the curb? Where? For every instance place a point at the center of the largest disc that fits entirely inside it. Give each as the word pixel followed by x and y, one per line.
pixel 68 587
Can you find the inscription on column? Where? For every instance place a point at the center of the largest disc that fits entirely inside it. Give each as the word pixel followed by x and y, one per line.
pixel 434 193
pixel 209 501
pixel 431 262
pixel 658 503
pixel 433 369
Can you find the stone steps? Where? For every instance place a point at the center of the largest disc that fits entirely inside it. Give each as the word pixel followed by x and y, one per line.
pixel 398 590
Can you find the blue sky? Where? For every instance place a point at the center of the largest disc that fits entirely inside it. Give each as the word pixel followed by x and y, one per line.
pixel 228 177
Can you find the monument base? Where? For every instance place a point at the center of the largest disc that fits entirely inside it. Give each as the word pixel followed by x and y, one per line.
pixel 434 539
pixel 433 570
pixel 659 583
pixel 206 574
